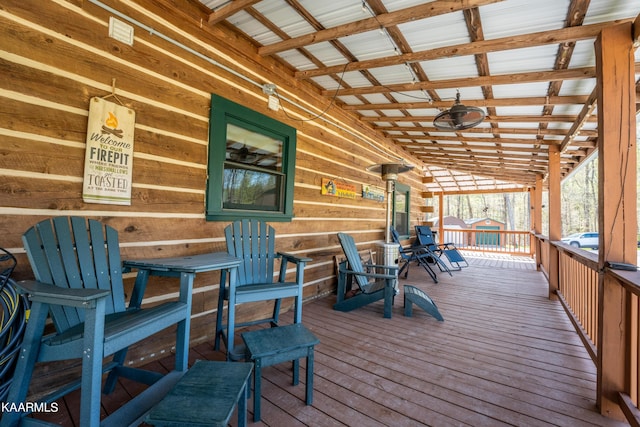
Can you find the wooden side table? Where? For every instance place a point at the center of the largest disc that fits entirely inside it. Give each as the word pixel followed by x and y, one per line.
pixel 270 346
pixel 205 396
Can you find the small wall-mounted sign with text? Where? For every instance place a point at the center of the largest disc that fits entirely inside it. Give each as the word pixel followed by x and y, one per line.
pixel 373 193
pixel 108 161
pixel 333 187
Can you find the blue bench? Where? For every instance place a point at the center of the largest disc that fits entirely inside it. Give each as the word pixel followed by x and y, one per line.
pixel 205 396
pixel 270 346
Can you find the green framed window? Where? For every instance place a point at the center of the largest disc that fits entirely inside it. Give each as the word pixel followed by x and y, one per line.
pixel 401 197
pixel 251 164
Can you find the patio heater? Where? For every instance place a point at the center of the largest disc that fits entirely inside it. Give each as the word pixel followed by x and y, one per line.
pixel 389 173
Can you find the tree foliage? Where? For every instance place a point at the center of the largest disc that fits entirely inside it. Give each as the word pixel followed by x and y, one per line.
pixel 579 195
pixel 510 208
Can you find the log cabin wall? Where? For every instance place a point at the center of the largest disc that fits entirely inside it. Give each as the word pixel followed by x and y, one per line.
pixel 56 55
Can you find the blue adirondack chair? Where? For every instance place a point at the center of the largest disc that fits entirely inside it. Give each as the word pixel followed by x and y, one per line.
pixel 77 266
pixel 420 255
pixel 374 283
pixel 424 236
pixel 254 242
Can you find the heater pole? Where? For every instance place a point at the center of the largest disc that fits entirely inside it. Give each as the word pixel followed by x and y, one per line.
pixel 387 230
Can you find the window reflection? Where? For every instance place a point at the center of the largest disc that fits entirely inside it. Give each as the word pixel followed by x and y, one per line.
pixel 401 214
pixel 252 171
pixel 252 148
pixel 250 189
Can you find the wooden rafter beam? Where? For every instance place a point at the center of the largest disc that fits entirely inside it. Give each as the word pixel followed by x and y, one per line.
pixel 576 129
pixel 487 191
pixel 636 32
pixel 415 139
pixel 523 41
pixel 503 130
pixel 516 176
pixel 496 102
pixel 504 79
pixel 487 159
pixel 514 163
pixel 231 8
pixel 557 118
pixel 423 148
pixel 494 159
pixel 503 167
pixel 434 8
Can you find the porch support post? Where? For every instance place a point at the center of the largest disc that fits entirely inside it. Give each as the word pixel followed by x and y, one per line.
pixel 536 217
pixel 617 206
pixel 555 220
pixel 441 218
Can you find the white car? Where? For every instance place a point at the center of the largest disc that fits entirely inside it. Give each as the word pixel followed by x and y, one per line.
pixel 582 240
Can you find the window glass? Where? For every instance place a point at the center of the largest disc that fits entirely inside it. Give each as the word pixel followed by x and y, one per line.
pixel 401 209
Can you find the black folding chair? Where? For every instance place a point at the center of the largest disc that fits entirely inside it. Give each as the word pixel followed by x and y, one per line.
pixel 424 236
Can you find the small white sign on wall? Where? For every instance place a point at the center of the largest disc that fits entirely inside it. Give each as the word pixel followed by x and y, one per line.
pixel 108 162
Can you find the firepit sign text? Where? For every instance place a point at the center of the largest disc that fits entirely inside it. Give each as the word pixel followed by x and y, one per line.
pixel 109 156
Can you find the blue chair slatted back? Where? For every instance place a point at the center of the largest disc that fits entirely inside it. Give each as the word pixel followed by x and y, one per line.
pixel 254 242
pixel 353 258
pixel 424 235
pixel 73 252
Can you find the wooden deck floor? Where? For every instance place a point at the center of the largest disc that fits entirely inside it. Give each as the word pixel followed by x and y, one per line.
pixel 505 355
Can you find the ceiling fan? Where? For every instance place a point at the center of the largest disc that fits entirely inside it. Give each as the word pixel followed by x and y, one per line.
pixel 243 155
pixel 459 117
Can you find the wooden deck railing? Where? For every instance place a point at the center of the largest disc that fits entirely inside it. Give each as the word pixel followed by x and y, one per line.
pixel 630 398
pixel 499 241
pixel 581 286
pixel 578 292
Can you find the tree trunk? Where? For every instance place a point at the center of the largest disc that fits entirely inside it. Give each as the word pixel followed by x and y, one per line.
pixel 469 206
pixel 592 194
pixel 510 214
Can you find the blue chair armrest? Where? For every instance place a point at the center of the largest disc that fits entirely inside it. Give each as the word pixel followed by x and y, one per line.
pixel 421 249
pixel 386 267
pixel 293 258
pixel 372 275
pixel 50 294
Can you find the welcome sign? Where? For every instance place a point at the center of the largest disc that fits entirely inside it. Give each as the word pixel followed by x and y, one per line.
pixel 108 160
